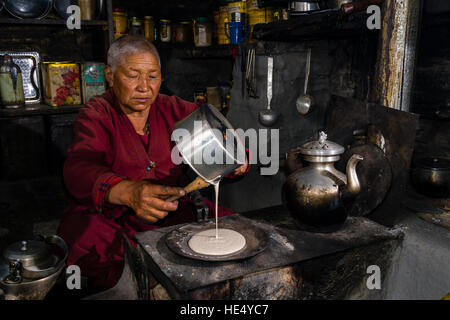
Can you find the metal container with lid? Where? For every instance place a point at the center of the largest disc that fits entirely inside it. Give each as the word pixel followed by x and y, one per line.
pixel 165 33
pixel 431 177
pixel 321 150
pixel 28 269
pixel 316 194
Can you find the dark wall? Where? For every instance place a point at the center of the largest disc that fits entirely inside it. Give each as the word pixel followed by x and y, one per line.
pixel 338 67
pixel 431 93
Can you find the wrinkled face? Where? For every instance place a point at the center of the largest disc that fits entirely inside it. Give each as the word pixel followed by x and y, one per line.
pixel 136 81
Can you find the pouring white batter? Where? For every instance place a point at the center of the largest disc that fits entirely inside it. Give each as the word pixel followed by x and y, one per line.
pixel 217 242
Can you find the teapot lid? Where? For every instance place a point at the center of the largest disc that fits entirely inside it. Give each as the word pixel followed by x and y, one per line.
pixel 29 252
pixel 322 147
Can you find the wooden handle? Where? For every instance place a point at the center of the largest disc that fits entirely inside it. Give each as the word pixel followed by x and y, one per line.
pixel 197 184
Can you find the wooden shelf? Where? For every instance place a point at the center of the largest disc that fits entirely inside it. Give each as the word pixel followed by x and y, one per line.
pixel 315 25
pixel 50 22
pixel 38 109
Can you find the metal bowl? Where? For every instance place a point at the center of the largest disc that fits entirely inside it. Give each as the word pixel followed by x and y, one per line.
pixel 25 9
pixel 431 177
pixel 61 7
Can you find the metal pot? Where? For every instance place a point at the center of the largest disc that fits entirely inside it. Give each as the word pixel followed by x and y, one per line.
pixel 29 269
pixel 209 144
pixel 431 177
pixel 316 194
pixel 303 6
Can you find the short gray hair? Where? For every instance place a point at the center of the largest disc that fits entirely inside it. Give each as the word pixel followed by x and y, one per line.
pixel 127 45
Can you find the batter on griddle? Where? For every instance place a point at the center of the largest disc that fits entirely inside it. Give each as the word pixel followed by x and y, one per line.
pixel 216 242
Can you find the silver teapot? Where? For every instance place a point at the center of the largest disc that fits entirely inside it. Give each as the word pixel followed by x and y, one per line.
pixel 316 194
pixel 29 269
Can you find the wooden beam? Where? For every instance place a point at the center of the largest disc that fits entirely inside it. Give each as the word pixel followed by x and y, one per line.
pixel 397 54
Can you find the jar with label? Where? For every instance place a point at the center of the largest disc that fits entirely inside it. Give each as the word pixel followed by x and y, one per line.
pixel 136 27
pixel 149 28
pixel 11 84
pixel 202 32
pixel 120 23
pixel 164 30
pixel 182 32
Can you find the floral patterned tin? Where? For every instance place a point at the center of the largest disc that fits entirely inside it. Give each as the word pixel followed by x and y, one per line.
pixel 61 83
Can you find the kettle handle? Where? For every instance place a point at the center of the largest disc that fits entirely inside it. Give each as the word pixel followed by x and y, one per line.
pixel 55 240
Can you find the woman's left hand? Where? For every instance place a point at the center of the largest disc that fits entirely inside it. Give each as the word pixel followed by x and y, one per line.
pixel 242 169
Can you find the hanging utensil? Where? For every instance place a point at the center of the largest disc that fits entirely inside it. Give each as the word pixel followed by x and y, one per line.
pixel 268 117
pixel 305 101
pixel 251 79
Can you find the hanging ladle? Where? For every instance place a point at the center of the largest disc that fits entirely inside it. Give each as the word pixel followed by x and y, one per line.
pixel 268 117
pixel 305 101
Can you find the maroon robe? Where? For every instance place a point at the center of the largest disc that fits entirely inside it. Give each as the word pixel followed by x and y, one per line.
pixel 106 150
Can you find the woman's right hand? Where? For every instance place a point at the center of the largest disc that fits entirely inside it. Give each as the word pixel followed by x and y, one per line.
pixel 146 199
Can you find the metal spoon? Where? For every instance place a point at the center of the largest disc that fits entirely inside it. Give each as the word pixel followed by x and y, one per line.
pixel 268 117
pixel 305 101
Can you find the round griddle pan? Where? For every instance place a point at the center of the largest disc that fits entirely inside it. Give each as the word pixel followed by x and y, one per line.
pixel 256 240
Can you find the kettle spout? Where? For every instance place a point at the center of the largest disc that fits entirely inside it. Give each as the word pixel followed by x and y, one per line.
pixel 353 186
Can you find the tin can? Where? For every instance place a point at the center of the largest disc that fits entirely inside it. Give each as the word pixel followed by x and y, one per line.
pixel 149 28
pixel 223 18
pixel 61 83
pixel 120 23
pixel 92 80
pixel 164 30
pixel 87 9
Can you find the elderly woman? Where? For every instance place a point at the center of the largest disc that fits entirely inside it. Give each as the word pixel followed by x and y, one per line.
pixel 119 169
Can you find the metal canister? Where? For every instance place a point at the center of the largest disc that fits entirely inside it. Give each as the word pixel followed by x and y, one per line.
pixel 93 80
pixel 164 30
pixel 11 84
pixel 149 28
pixel 120 22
